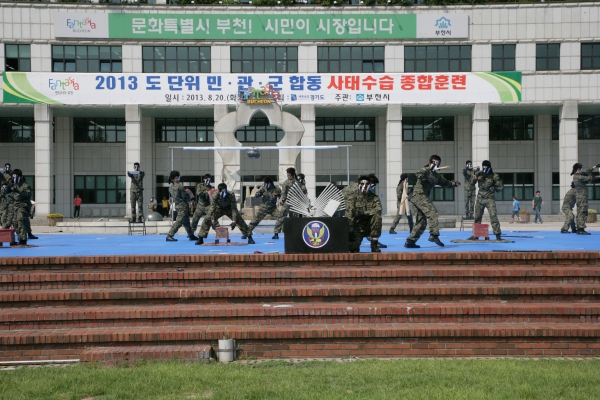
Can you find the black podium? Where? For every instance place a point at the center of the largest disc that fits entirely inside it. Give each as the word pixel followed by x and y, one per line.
pixel 316 235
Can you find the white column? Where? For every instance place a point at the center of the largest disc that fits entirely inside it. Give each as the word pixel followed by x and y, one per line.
pixel 148 160
pixel 542 138
pixel 44 157
pixel 308 167
pixel 133 145
pixel 221 110
pixel 568 150
pixel 464 147
pixel 393 155
pixel 481 134
pixel 63 166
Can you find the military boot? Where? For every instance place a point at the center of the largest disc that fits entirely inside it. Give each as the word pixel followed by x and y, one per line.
pixel 436 239
pixel 499 237
pixel 31 236
pixel 374 246
pixel 392 231
pixel 411 244
pixel 564 231
pixel 275 236
pixel 250 240
pixel 582 231
pixel 192 237
pixel 473 238
pixel 171 238
pixel 573 228
pixel 22 242
pixel 200 241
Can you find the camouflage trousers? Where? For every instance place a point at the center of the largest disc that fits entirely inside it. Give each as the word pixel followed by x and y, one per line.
pixel 218 213
pixel 8 218
pixel 21 222
pixel 582 209
pixel 399 217
pixel 490 204
pixel 567 209
pixel 262 212
pixel 183 218
pixel 364 226
pixel 3 210
pixel 136 197
pixel 198 213
pixel 426 213
pixel 280 215
pixel 469 202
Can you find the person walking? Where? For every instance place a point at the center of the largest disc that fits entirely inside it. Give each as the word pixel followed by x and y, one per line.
pixel 77 203
pixel 536 203
pixel 180 201
pixel 515 211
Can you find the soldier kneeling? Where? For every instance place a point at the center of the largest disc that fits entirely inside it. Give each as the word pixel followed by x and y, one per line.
pixel 364 215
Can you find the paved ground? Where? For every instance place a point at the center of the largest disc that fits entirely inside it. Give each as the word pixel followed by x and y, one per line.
pixel 526 237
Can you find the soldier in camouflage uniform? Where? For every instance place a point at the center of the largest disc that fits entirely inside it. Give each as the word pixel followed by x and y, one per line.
pixel 8 209
pixel 469 189
pixel 403 198
pixel 489 183
pixel 136 192
pixel 269 193
pixel 567 208
pixel 224 203
pixel 580 180
pixel 181 200
pixel 364 215
pixel 284 209
pixel 202 200
pixel 20 192
pixel 427 178
pixel 4 182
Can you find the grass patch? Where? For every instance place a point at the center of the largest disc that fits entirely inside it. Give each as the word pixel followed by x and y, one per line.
pixel 371 379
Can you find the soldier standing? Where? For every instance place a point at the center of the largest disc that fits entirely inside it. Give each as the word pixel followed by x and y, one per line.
pixel 427 178
pixel 580 181
pixel 7 210
pixel 567 208
pixel 469 189
pixel 224 203
pixel 403 206
pixel 269 193
pixel 180 200
pixel 136 192
pixel 489 183
pixel 4 182
pixel 202 200
pixel 20 192
pixel 284 209
pixel 364 215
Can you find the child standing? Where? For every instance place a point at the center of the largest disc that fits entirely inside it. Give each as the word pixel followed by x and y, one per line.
pixel 515 211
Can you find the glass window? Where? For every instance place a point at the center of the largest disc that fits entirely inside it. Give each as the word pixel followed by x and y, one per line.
pixel 259 130
pixel 100 189
pixel 17 57
pixel 511 128
pixel 588 126
pixel 17 130
pixel 264 59
pixel 556 186
pixel 427 129
pixel 86 58
pixel 99 130
pixel 555 127
pixel 547 57
pixel 367 59
pixel 517 184
pixel 503 57
pixel 179 59
pixel 456 58
pixel 184 130
pixel 590 55
pixel 349 129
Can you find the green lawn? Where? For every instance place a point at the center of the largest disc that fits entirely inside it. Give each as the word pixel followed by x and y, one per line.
pixel 370 379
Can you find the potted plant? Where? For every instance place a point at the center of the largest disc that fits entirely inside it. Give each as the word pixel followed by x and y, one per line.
pixel 591 216
pixel 54 218
pixel 525 215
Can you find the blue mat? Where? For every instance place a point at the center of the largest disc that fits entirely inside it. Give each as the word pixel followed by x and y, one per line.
pixel 88 245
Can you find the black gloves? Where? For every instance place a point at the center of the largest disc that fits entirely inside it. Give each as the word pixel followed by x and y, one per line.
pixel 232 226
pixel 359 213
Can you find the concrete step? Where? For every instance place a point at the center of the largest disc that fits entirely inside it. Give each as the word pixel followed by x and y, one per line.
pixel 281 314
pixel 132 354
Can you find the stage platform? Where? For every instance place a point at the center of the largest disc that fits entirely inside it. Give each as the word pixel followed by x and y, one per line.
pixel 97 244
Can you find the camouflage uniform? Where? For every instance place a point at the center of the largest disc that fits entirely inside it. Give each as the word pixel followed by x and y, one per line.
pixel 21 195
pixel 220 206
pixel 8 217
pixel 488 185
pixel 424 208
pixel 580 181
pixel 284 209
pixel 368 224
pixel 398 217
pixel 567 208
pixel 136 193
pixel 181 200
pixel 203 202
pixel 469 191
pixel 3 200
pixel 268 206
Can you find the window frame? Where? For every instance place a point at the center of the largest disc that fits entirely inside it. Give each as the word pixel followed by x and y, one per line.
pixel 204 64
pixel 594 58
pixel 447 124
pixel 184 128
pixel 546 59
pixel 256 56
pixel 517 181
pixel 21 64
pixel 333 59
pixel 595 128
pixel 259 127
pixel 504 59
pixel 335 129
pixel 19 122
pixel 73 62
pixel 90 195
pixel 420 60
pixel 82 135
pixel 527 127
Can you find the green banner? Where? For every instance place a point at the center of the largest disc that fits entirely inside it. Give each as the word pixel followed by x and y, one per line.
pixel 262 27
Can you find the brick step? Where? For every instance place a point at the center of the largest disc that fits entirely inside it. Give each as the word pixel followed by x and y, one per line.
pixel 294 314
pixel 131 354
pixel 295 276
pixel 243 294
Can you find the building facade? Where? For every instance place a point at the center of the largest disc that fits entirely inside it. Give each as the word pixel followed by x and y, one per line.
pixel 85 146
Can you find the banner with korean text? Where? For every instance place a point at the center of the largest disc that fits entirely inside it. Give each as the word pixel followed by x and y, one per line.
pixel 208 89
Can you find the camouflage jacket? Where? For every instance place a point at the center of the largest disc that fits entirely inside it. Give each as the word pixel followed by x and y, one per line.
pixel 470 181
pixel 488 184
pixel 221 204
pixel 21 194
pixel 426 180
pixel 137 181
pixel 349 192
pixel 178 193
pixel 365 204
pixel 581 180
pixel 287 185
pixel 570 198
pixel 269 196
pixel 202 196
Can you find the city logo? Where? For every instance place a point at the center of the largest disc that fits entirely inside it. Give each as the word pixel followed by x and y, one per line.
pixel 57 84
pixel 294 97
pixel 80 25
pixel 264 95
pixel 443 23
pixel 315 234
pixel 360 97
